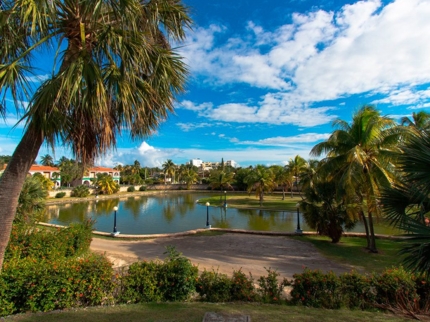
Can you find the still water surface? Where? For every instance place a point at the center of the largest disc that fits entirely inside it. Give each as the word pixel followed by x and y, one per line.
pixel 177 212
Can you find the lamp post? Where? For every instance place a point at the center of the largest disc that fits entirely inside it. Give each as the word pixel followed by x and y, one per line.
pixel 115 232
pixel 298 230
pixel 225 198
pixel 207 215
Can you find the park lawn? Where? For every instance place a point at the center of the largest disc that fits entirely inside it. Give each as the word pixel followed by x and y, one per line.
pixel 351 251
pixel 250 201
pixel 195 311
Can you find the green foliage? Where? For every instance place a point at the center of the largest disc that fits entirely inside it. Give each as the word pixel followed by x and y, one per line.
pixel 213 286
pixel 394 288
pixel 131 189
pixel 270 289
pixel 80 191
pixel 41 285
pixel 242 288
pixel 142 188
pixel 60 195
pixel 31 201
pixel 46 244
pixel 105 184
pixel 171 280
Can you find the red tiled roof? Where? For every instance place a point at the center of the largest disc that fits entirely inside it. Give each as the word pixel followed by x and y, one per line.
pixel 37 167
pixel 102 169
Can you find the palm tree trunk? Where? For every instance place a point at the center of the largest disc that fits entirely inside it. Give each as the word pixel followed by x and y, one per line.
pixel 366 228
pixel 372 247
pixel 11 183
pixel 283 193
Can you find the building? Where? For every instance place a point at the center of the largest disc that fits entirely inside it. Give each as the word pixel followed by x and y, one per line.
pixel 92 173
pixel 52 173
pixel 196 162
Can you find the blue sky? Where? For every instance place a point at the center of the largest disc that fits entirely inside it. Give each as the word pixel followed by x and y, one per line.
pixel 267 78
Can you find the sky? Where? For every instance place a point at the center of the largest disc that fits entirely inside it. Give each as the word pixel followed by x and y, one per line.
pixel 268 77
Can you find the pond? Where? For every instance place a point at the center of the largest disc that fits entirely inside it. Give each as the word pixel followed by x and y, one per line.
pixel 177 212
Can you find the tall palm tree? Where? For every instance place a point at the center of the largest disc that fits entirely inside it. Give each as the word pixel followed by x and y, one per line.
pixel 220 179
pixel 169 169
pixel 407 203
pixel 284 178
pixel 358 157
pixel 297 166
pixel 190 176
pixel 47 160
pixel 113 70
pixel 261 179
pixel 420 121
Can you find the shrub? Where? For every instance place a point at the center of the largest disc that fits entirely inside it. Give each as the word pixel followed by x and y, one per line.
pixel 142 188
pixel 356 290
pixel 81 191
pixel 214 287
pixel 269 288
pixel 49 285
pixel 140 284
pixel 60 195
pixel 177 277
pixel 131 189
pixel 242 288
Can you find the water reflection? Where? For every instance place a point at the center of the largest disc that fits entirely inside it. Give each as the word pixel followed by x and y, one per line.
pixel 175 212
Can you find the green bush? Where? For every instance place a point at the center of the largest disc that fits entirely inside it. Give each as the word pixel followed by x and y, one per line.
pixel 242 288
pixel 214 286
pixel 171 280
pixel 49 285
pixel 142 188
pixel 356 290
pixel 177 277
pixel 27 241
pixel 269 288
pixel 131 189
pixel 60 195
pixel 140 284
pixel 81 191
pixel 316 289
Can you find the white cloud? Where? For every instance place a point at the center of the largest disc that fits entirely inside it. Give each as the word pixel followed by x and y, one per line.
pixel 289 140
pixel 364 47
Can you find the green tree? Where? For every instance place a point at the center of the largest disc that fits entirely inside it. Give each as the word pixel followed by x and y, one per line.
pixel 239 178
pixel 420 121
pixel 113 69
pixel 261 179
pixel 31 201
pixel 407 203
pixel 105 184
pixel 284 178
pixel 47 160
pixel 190 176
pixel 358 158
pixel 220 179
pixel 80 191
pixel 297 166
pixel 169 169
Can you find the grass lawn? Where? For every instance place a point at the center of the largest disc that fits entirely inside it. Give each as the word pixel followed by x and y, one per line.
pixel 351 251
pixel 195 311
pixel 271 202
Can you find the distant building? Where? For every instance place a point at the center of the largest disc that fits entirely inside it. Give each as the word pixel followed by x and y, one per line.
pixel 52 173
pixel 92 173
pixel 232 163
pixel 196 162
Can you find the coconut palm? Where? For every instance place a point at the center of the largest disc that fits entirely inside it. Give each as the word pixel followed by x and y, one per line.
pixel 261 179
pixel 190 176
pixel 113 69
pixel 169 169
pixel 220 179
pixel 297 166
pixel 407 203
pixel 284 178
pixel 105 184
pixel 358 158
pixel 420 121
pixel 47 160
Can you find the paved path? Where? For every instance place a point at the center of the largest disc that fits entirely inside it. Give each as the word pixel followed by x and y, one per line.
pixel 225 252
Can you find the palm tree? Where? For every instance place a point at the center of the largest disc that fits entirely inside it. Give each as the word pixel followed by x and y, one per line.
pixel 284 178
pixel 190 176
pixel 297 166
pixel 113 70
pixel 47 160
pixel 169 169
pixel 358 157
pixel 420 121
pixel 31 202
pixel 220 179
pixel 105 184
pixel 261 179
pixel 407 203
pixel 309 173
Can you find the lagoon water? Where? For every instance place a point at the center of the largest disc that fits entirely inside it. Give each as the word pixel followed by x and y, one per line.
pixel 177 212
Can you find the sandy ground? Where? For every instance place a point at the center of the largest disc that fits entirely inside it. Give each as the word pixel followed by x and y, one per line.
pixel 224 253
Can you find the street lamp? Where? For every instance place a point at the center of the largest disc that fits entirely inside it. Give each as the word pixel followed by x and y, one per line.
pixel 115 232
pixel 207 215
pixel 225 198
pixel 298 230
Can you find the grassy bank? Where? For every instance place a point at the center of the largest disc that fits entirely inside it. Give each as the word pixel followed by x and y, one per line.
pixel 189 312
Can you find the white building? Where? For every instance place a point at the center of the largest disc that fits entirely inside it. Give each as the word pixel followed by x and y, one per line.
pixel 196 162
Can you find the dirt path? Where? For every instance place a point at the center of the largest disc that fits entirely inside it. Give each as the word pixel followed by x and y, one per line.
pixel 225 252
